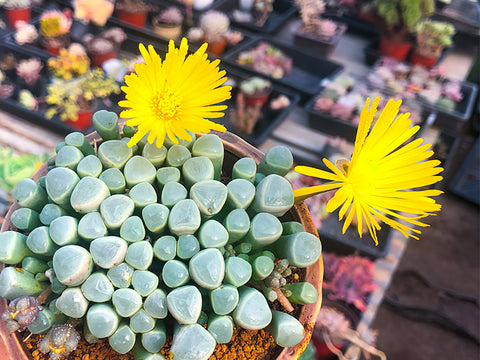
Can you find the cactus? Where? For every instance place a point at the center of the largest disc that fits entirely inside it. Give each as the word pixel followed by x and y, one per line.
pixel 214 25
pixel 25 34
pixel 171 15
pixel 121 253
pixel 433 36
pixel 29 70
pixel 17 4
pixel 54 23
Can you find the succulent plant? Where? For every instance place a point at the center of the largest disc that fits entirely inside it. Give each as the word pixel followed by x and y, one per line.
pixel 149 253
pixel 452 90
pixel 70 63
pixel 133 6
pixel 60 341
pixel 108 41
pixel 17 4
pixel 25 33
pixel 96 11
pixel 171 15
pixel 214 25
pixel 255 86
pixel 66 98
pixel 21 312
pixel 261 10
pixel 266 59
pixel 29 69
pixel 233 37
pixel 281 102
pixel 26 99
pixel 349 278
pixel 433 36
pixel 311 13
pixel 54 23
pixel 244 117
pixel 398 14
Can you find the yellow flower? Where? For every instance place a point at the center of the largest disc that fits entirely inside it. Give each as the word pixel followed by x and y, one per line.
pixel 172 97
pixel 377 182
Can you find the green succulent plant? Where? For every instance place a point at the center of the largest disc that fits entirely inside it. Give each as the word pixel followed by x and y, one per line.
pixel 403 13
pixel 132 240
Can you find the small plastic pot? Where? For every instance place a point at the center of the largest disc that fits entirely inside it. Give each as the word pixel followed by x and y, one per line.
pixel 133 18
pixel 99 59
pixel 217 48
pixel 258 99
pixel 418 59
pixel 17 15
pixel 84 120
pixel 394 49
pixel 167 31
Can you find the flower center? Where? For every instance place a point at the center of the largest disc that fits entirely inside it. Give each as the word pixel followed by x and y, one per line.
pixel 166 105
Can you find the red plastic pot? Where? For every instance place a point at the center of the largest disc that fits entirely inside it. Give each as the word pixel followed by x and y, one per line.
pixel 256 99
pixel 394 49
pixel 217 48
pixel 99 59
pixel 16 15
pixel 52 50
pixel 137 19
pixel 417 59
pixel 84 120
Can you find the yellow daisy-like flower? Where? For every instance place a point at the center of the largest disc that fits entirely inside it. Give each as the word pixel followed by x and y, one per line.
pixel 376 183
pixel 174 96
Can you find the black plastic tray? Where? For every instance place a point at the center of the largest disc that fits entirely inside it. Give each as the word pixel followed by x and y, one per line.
pixel 307 73
pixel 334 241
pixel 196 12
pixel 148 33
pixel 282 11
pixel 453 121
pixel 269 119
pixel 38 117
pixel 329 124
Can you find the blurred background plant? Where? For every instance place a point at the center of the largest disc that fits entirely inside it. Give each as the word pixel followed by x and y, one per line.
pixel 67 98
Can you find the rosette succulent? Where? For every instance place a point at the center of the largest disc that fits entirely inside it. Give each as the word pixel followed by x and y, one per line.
pixel 146 243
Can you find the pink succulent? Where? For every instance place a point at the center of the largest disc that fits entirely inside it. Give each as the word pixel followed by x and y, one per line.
pixel 349 278
pixel 323 104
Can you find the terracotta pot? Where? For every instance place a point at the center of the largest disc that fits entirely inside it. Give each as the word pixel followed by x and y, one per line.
pixel 99 59
pixel 84 120
pixel 418 59
pixel 395 49
pixel 12 346
pixel 16 15
pixel 133 18
pixel 254 100
pixel 217 48
pixel 167 31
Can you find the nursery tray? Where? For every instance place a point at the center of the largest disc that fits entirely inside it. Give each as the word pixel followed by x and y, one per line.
pixel 197 12
pixel 38 117
pixel 307 73
pixel 356 25
pixel 334 126
pixel 453 121
pixel 329 124
pixel 334 241
pixel 147 32
pixel 282 11
pixel 269 119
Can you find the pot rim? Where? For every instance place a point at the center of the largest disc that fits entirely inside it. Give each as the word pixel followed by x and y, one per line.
pixel 13 345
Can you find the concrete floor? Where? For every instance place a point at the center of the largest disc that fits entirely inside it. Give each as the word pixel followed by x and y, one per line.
pixel 448 255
